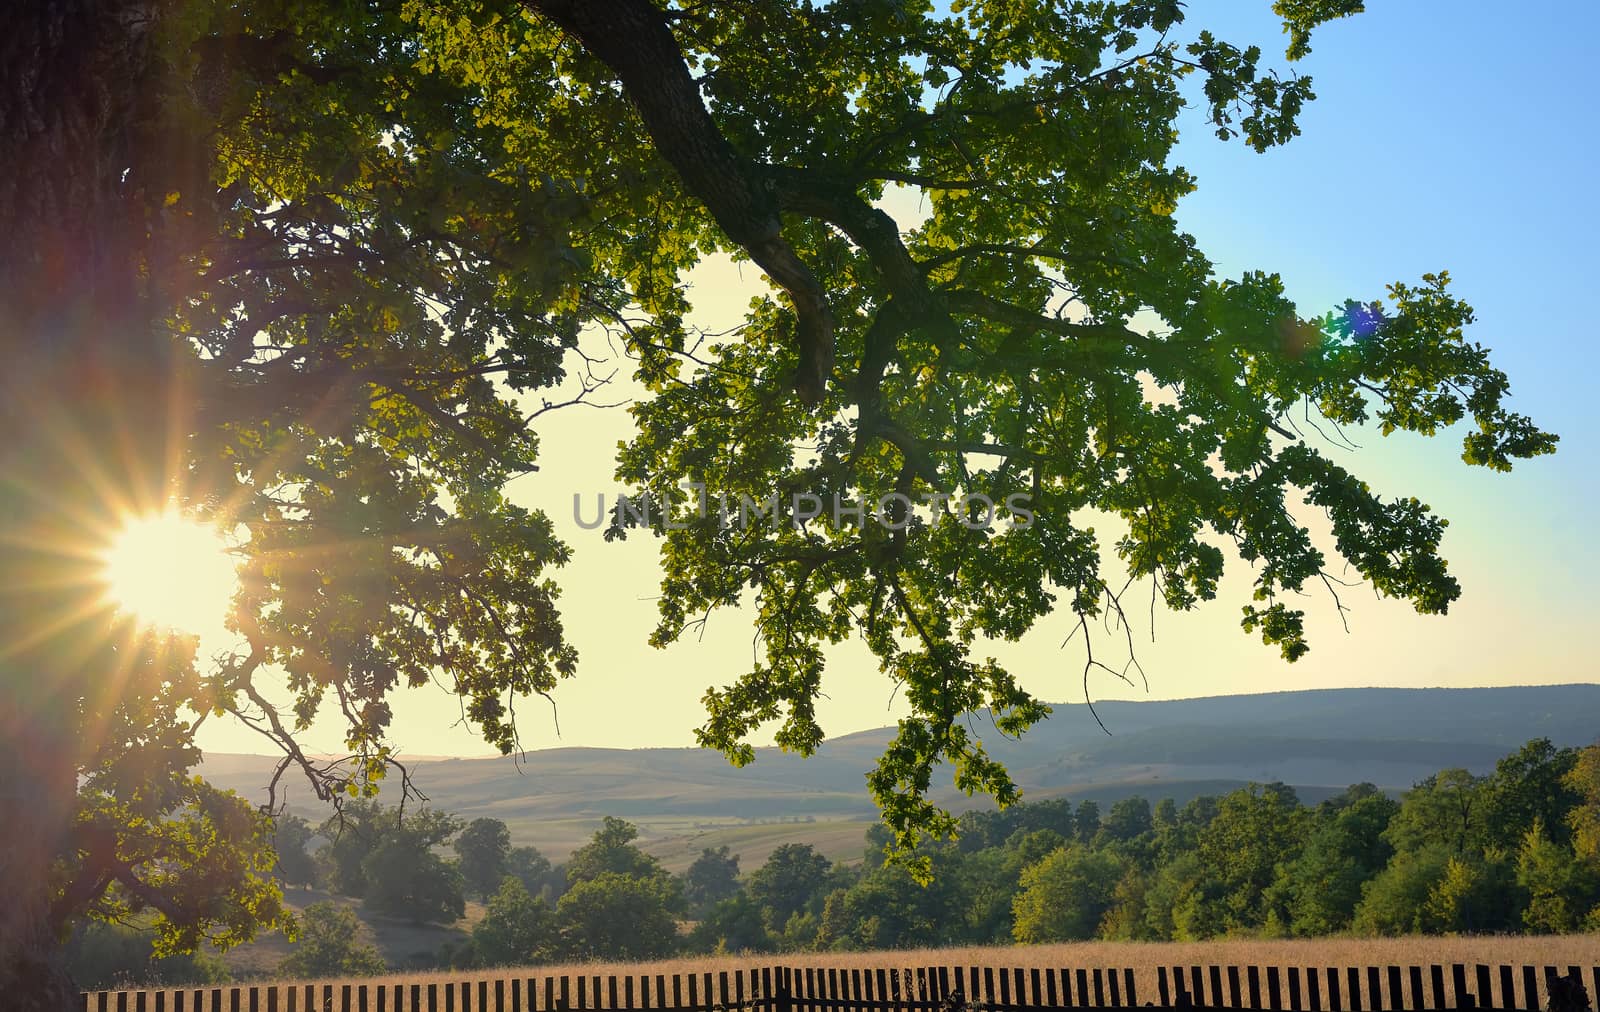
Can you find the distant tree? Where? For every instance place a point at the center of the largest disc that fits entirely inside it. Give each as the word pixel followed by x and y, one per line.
pixel 406 877
pixel 612 851
pixel 790 882
pixel 618 916
pixel 888 909
pixel 1064 896
pixel 1255 829
pixel 1086 823
pixel 407 880
pixel 536 873
pixel 481 850
pixel 1180 832
pixel 1052 813
pixel 1165 814
pixel 1344 850
pixel 516 928
pixel 1447 809
pixel 1477 894
pixel 800 931
pixel 1560 887
pixel 328 945
pixel 1396 900
pixel 290 836
pixel 1199 811
pixel 880 838
pixel 352 835
pixel 734 925
pixel 1347 797
pixel 1529 786
pixel 712 878
pixel 1584 819
pixel 1032 846
pixel 984 882
pixel 1362 814
pixel 1182 901
pixel 1128 819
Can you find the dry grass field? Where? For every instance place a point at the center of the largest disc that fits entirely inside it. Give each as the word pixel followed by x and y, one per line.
pixel 400 942
pixel 1142 958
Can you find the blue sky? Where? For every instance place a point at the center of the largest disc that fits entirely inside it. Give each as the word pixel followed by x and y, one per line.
pixel 1445 136
pixel 1453 137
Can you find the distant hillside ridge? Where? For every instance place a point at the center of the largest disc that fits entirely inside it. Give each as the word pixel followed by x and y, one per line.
pixel 1318 740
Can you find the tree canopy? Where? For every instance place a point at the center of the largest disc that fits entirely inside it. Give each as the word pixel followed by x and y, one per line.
pixel 329 946
pixel 341 248
pixel 484 849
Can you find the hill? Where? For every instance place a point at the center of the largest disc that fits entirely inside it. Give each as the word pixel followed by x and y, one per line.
pixel 1320 741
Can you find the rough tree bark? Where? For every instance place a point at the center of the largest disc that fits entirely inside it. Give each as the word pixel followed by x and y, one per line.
pixel 71 335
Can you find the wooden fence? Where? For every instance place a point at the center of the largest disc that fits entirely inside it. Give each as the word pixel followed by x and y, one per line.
pixel 947 988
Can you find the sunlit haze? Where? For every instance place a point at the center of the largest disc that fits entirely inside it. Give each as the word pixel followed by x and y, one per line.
pixel 170 571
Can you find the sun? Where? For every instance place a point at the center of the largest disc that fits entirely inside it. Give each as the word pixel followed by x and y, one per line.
pixel 170 571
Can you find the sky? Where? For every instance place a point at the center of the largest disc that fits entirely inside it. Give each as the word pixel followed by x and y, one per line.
pixel 1461 142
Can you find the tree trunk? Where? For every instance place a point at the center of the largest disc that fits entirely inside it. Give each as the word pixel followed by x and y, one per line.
pixel 70 322
pixel 36 793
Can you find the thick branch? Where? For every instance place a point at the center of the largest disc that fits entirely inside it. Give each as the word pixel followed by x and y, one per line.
pixel 632 38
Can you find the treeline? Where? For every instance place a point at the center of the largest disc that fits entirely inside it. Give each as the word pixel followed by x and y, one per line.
pixel 1515 851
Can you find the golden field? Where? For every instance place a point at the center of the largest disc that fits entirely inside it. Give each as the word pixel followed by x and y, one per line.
pixel 1142 957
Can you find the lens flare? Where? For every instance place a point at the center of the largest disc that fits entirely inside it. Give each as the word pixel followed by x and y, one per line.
pixel 171 572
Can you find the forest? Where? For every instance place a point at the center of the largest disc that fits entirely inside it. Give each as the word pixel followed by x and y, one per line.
pixel 1513 851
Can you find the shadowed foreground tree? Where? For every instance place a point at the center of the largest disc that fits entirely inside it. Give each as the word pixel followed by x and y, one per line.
pixel 300 269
